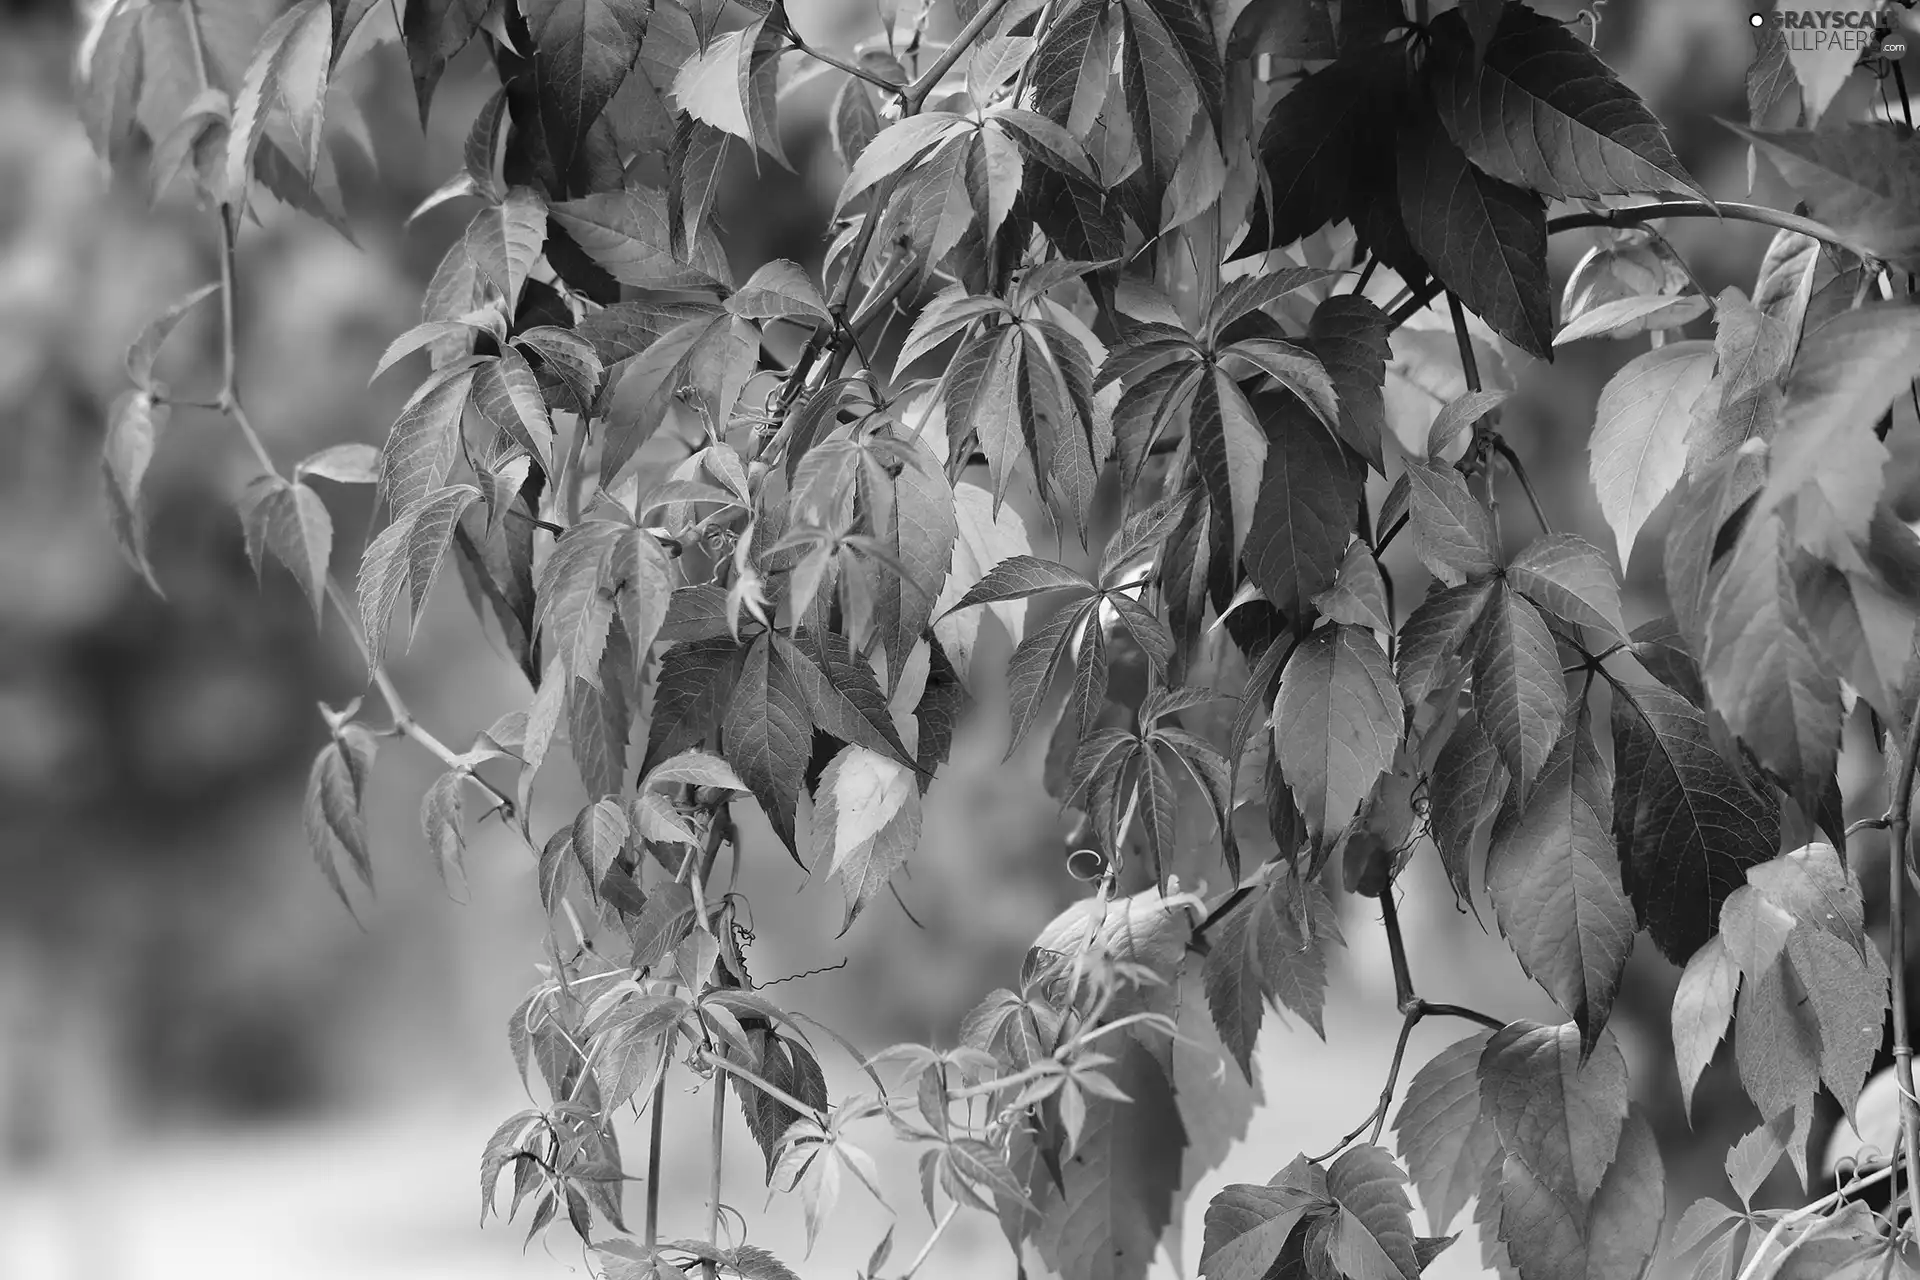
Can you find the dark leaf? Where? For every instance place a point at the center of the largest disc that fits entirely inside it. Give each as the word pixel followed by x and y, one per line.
pixel 1336 724
pixel 1519 692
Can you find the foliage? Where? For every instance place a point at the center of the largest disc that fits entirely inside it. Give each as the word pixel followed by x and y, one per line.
pixel 1158 254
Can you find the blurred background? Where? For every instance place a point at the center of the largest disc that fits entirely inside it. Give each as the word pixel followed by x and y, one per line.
pixel 206 1068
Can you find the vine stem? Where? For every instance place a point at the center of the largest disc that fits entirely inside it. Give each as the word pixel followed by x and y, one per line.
pixel 926 1250
pixel 228 403
pixel 1819 1206
pixel 656 1135
pixel 765 1086
pixel 1413 1011
pixel 717 1140
pixel 1899 824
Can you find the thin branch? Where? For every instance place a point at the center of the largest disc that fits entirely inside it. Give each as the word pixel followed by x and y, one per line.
pixel 1404 998
pixel 926 1250
pixel 1431 1010
pixel 228 402
pixel 655 1143
pixel 1526 485
pixel 1828 1201
pixel 1635 215
pixel 1899 823
pixel 916 93
pixel 773 1091
pixel 717 1141
pixel 840 64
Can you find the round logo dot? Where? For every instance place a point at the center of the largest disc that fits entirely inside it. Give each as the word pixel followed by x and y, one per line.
pixel 1756 20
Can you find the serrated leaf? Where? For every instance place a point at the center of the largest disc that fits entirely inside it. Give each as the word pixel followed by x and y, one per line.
pixel 404 560
pixel 582 50
pixel 1336 722
pixel 779 290
pixel 1630 317
pixel 1553 876
pixel 767 735
pixel 1118 1192
pixel 1639 441
pixel 1373 1237
pixel 1540 109
pixel 332 812
pixel 1569 577
pixel 627 233
pixel 840 693
pixel 1359 592
pixel 1849 995
pixel 1860 179
pixel 1702 1008
pixel 1436 634
pixel 290 520
pixel 1485 239
pixel 1304 516
pixel 441 823
pixel 1452 532
pixel 1020 576
pixel 1554 1108
pixel 866 820
pixel 1520 694
pixel 505 239
pixel 146 348
pixel 1247 1225
pixel 288 69
pixel 1349 334
pixel 1469 781
pixel 134 426
pixel 420 448
pixel 1776 1040
pixel 1688 823
pixel 1763 672
pixel 1456 418
pixel 1442 1135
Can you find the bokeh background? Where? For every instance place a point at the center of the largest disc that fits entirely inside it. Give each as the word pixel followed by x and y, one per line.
pixel 206 1068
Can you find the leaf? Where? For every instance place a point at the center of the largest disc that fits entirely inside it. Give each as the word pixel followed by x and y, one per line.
pixel 1825 454
pixel 1486 240
pixel 627 234
pixel 982 538
pixel 582 50
pixel 696 681
pixel 342 464
pixel 1555 1109
pixel 1468 783
pixel 1687 821
pixel 1777 1040
pixel 1312 151
pixel 332 812
pixel 1358 595
pixel 113 65
pixel 1764 674
pixel 1860 179
pixel 290 520
pixel 840 693
pixel 1457 417
pixel 507 394
pixel 134 426
pixel 1753 350
pixel 146 348
pixel 1375 1233
pixel 1539 109
pixel 1442 1136
pixel 1452 532
pixel 1259 953
pixel 866 821
pixel 1020 576
pixel 1849 996
pixel 1247 1226
pixel 767 736
pixel 1304 516
pixel 1569 577
pixel 779 290
pixel 1436 635
pixel 420 447
pixel 1349 334
pixel 434 32
pixel 1553 876
pixel 1702 1009
pixel 441 823
pixel 1118 1190
pixel 1632 316
pixel 1520 695
pixel 1336 724
pixel 1639 441
pixel 1614 1236
pixel 288 69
